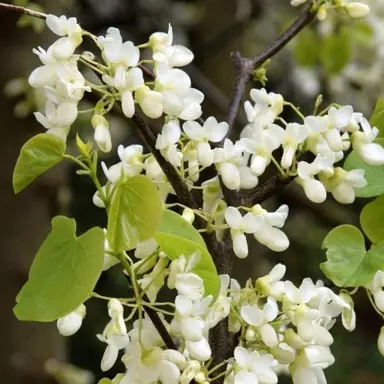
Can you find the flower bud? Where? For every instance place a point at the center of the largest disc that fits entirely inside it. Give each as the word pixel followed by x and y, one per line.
pixel 380 341
pixel 250 335
pixel 188 215
pixel 102 135
pixel 71 323
pixel 322 13
pixel 357 10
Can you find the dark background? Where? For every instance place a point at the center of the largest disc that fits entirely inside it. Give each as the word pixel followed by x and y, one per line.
pixel 212 29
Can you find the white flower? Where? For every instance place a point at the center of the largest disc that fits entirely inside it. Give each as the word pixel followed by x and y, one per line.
pixel 151 102
pixel 70 84
pixel 376 287
pixel 71 323
pixel 201 135
pixel 166 142
pixel 267 107
pixel 126 82
pixel 313 188
pixel 294 135
pixel 191 105
pixel 58 119
pixel 253 367
pixel 165 52
pixel 301 295
pixel 228 161
pixel 44 75
pixel 240 225
pixel 260 318
pixel 221 307
pixel 271 284
pixel 362 142
pixel 190 315
pixel 269 233
pixel 102 135
pixel 131 158
pixel 71 34
pixel 199 350
pixel 342 184
pixel 119 53
pixel 153 281
pixel 152 365
pixel 114 335
pixel 261 143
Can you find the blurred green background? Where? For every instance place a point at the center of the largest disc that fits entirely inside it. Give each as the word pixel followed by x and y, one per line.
pixel 340 60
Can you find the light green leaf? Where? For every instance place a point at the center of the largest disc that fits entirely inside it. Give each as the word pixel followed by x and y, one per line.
pixel 372 220
pixel 135 213
pixel 174 223
pixel 105 381
pixel 335 51
pixel 175 242
pixel 377 118
pixel 373 173
pixel 349 264
pixel 306 51
pixel 63 274
pixel 37 155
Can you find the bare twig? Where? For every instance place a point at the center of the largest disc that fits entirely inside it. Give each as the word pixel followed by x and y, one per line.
pixel 22 10
pixel 245 66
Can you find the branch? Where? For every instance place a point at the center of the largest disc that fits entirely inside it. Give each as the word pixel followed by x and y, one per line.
pixel 22 10
pixel 245 66
pixel 180 188
pixel 265 191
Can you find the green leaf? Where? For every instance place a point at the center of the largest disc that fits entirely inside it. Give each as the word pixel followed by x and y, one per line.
pixel 306 51
pixel 335 51
pixel 173 223
pixel 372 220
pixel 349 264
pixel 37 155
pixel 377 118
pixel 63 274
pixel 176 241
pixel 373 173
pixel 105 381
pixel 135 213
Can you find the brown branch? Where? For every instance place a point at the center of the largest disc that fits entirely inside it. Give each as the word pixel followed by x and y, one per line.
pixel 265 191
pixel 22 10
pixel 245 66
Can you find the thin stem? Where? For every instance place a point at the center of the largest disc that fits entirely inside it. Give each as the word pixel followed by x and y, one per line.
pixel 245 66
pixel 23 10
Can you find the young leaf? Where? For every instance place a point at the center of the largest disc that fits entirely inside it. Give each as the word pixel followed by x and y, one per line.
pixel 349 264
pixel 336 51
pixel 371 220
pixel 305 51
pixel 176 241
pixel 135 213
pixel 63 274
pixel 173 223
pixel 377 118
pixel 37 155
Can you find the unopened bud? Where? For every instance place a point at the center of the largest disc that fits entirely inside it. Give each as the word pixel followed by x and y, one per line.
pixel 322 13
pixel 102 135
pixel 188 215
pixel 71 323
pixel 357 10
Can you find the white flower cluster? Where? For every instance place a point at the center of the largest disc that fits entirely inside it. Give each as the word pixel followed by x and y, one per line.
pixel 59 77
pixel 282 328
pixel 353 9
